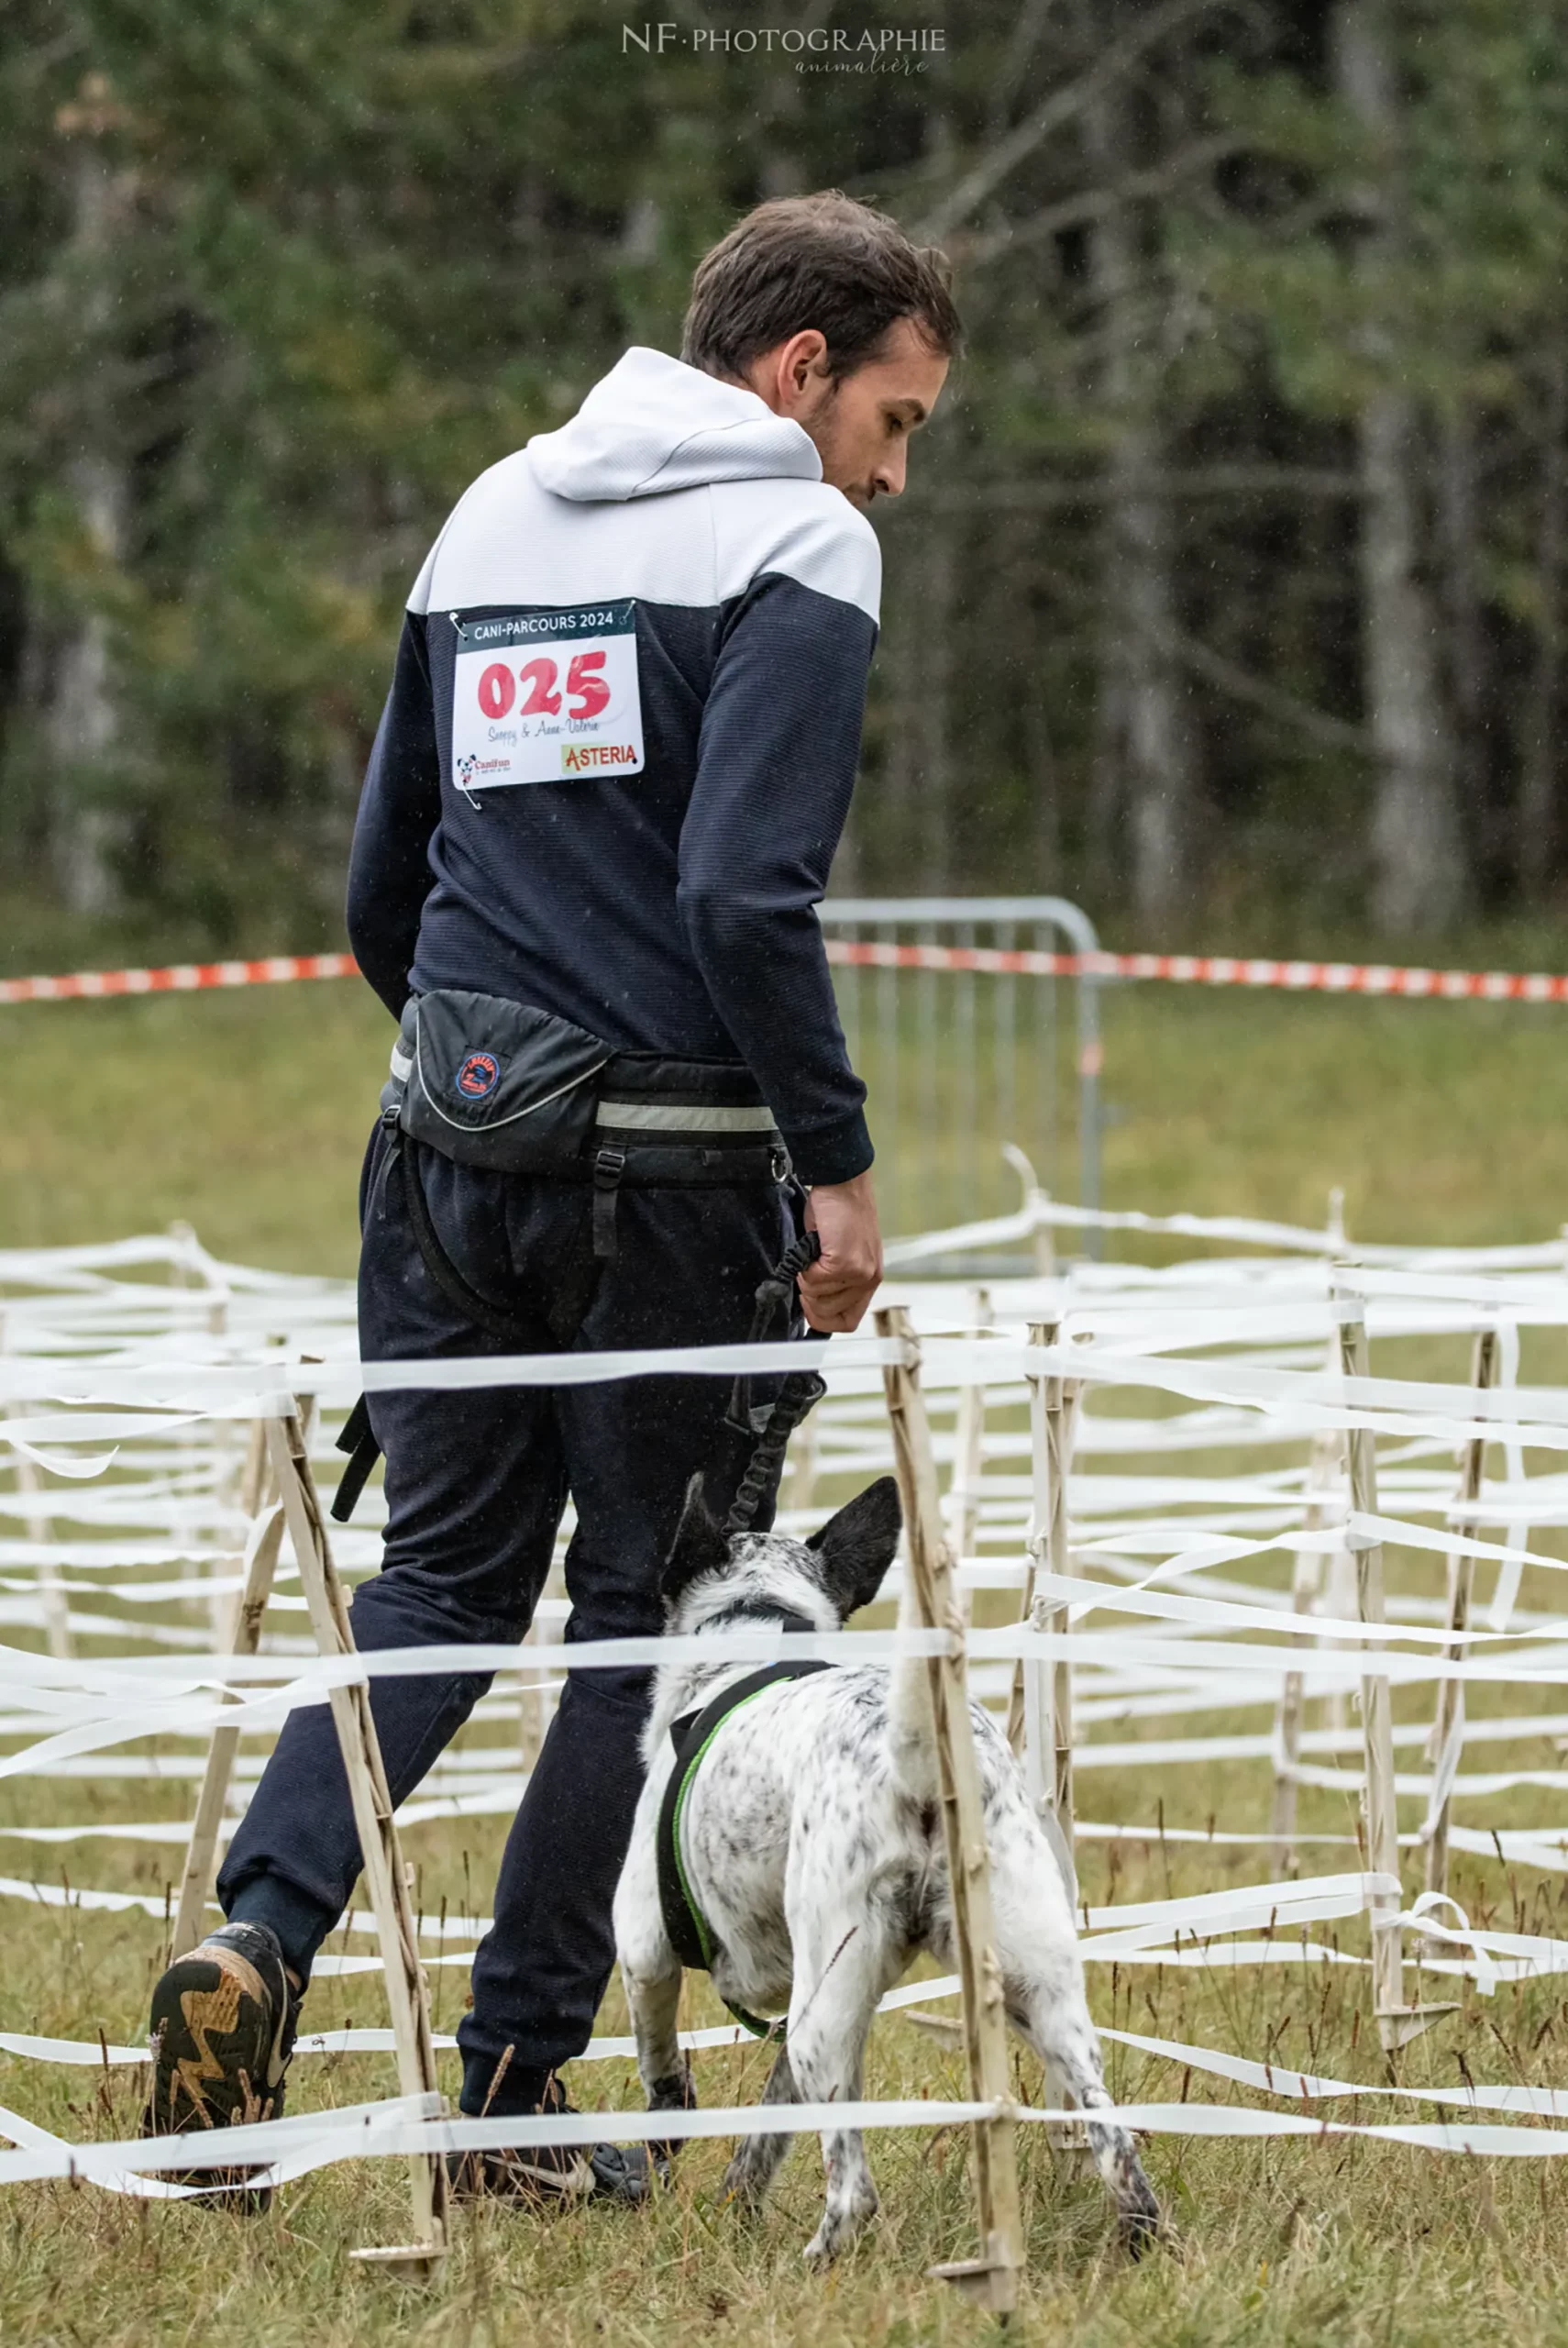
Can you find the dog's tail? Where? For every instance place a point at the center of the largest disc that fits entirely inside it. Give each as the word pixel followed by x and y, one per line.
pixel 910 1720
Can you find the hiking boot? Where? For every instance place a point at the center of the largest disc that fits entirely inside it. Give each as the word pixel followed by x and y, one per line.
pixel 223 2019
pixel 547 2176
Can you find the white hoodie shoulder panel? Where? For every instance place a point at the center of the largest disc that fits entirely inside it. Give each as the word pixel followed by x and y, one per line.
pixel 511 541
pixel 805 529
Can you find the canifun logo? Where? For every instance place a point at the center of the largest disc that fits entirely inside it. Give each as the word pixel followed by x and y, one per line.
pixel 819 49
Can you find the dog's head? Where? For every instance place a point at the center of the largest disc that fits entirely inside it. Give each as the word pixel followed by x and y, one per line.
pixel 711 1572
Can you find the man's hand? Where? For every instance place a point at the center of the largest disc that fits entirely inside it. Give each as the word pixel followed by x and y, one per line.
pixel 836 1289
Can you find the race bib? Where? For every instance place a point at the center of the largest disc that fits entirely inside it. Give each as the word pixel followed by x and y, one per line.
pixel 547 696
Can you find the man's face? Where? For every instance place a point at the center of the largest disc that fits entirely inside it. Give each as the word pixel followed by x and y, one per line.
pixel 861 424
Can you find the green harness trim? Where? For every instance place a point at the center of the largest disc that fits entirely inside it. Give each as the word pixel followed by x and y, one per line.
pixel 705 1938
pixel 689 1933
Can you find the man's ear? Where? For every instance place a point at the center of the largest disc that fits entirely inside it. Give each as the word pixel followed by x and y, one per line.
pixel 856 1546
pixel 700 1543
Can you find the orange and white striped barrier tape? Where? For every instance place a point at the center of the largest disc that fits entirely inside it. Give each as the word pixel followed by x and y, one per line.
pixel 1209 969
pixel 994 961
pixel 179 978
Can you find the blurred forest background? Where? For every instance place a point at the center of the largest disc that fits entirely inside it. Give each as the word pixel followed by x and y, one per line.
pixel 1227 597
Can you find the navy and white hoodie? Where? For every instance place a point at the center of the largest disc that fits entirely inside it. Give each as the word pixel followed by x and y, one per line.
pixel 621 741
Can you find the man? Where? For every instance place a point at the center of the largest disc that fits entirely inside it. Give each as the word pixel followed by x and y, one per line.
pixel 600 809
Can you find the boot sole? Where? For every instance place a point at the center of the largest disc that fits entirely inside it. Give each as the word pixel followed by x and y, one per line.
pixel 217 2041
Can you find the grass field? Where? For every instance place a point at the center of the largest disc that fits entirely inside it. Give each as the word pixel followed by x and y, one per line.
pixel 246 1116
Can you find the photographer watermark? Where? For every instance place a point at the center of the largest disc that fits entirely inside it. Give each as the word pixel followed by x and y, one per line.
pixel 818 49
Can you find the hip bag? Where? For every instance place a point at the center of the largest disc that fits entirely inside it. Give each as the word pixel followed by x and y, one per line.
pixel 516 1090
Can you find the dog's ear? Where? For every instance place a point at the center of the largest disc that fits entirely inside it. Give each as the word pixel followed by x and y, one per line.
pixel 856 1546
pixel 699 1544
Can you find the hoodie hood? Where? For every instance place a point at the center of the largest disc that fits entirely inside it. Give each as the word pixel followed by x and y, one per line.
pixel 655 425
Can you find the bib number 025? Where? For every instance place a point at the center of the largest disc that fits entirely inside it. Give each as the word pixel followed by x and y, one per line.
pixel 548 695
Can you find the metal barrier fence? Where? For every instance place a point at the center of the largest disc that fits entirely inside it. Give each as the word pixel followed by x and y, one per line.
pixel 959 1063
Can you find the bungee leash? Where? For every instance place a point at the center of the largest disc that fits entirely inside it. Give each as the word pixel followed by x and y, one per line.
pixel 799 1392
pixel 687 1928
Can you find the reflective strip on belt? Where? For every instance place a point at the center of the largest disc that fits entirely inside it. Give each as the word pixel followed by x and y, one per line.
pixel 657 1116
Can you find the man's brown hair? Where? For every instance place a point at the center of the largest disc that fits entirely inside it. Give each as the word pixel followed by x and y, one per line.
pixel 815 261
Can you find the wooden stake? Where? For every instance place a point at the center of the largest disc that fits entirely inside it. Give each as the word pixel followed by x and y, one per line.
pixel 248 1491
pixel 1053 1409
pixel 1061 1402
pixel 1340 1572
pixel 1040 1714
pixel 1448 1727
pixel 386 1881
pixel 255 1474
pixel 968 1449
pixel 992 2279
pixel 53 1598
pixel 1029 1704
pixel 1325 1474
pixel 1397 2022
pixel 195 1885
pixel 191 1270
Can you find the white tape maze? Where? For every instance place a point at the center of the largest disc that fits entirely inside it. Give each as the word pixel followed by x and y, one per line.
pixel 1229 1474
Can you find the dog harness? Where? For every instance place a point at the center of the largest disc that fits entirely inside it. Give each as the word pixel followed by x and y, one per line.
pixel 689 1933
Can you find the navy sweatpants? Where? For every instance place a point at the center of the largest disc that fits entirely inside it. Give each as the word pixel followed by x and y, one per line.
pixel 476 1484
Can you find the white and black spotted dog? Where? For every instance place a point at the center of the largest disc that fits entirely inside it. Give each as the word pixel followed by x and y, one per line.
pixel 811 1841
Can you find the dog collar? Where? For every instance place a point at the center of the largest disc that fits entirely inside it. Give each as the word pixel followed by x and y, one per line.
pixel 684 1922
pixel 788 1622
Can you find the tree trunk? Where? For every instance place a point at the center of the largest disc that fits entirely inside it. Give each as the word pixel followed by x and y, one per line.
pixel 935 608
pixel 1421 882
pixel 1045 789
pixel 929 625
pixel 1539 832
pixel 1158 745
pixel 1460 540
pixel 81 716
pixel 895 828
pixel 917 665
pixel 1420 879
pixel 1144 779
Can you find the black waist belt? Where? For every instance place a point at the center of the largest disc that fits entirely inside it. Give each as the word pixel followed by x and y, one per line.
pixel 646 1091
pixel 684 1113
pixel 658 1125
pixel 662 1124
pixel 504 1086
pixel 511 1089
pixel 676 1156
